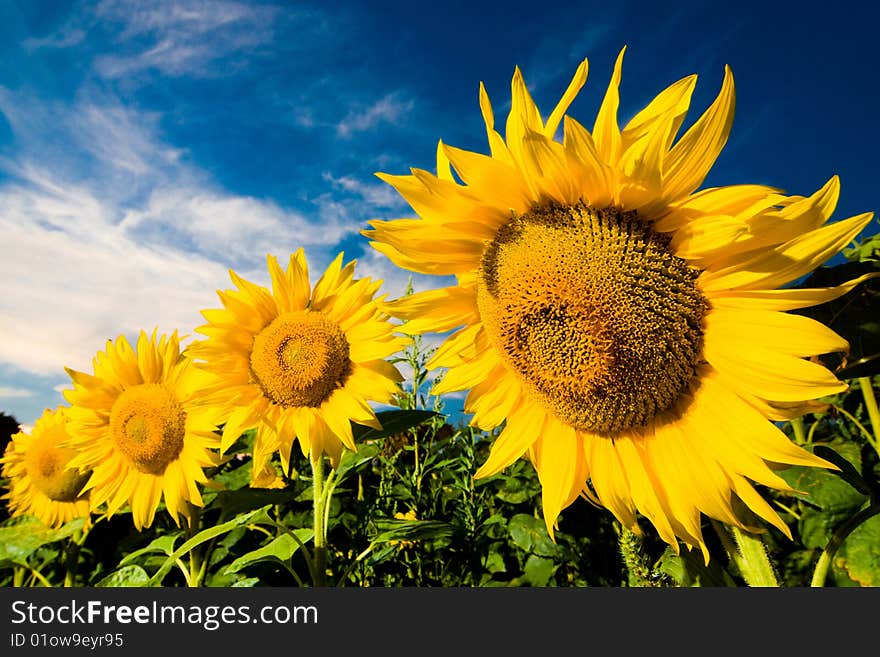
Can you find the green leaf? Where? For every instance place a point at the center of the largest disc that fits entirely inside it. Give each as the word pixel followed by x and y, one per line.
pixel 280 548
pixel 824 489
pixel 131 575
pixel 538 570
pixel 859 556
pixel 495 563
pixel 247 582
pixel 398 529
pixel 515 491
pixel 234 502
pixel 19 541
pixel 688 569
pixel 393 422
pixel 352 460
pixel 848 471
pixel 163 544
pixel 832 498
pixel 254 516
pixel 530 534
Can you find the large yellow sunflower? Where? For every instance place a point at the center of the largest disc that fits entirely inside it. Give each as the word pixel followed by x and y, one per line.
pixel 41 481
pixel 139 423
pixel 628 330
pixel 299 363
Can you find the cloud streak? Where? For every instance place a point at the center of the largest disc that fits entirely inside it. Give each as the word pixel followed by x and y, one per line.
pixel 181 38
pixel 389 109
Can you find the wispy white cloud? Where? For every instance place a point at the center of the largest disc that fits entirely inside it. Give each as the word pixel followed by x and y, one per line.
pixel 375 193
pixel 8 391
pixel 68 37
pixel 116 232
pixel 388 109
pixel 180 38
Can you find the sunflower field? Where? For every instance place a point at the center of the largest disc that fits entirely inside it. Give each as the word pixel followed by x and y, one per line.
pixel 664 384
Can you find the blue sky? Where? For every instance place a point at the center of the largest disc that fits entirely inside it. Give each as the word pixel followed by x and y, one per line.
pixel 147 147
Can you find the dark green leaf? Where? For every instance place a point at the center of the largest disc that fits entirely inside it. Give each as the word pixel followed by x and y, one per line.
pixel 353 460
pixel 538 570
pixel 530 534
pixel 281 548
pixel 127 576
pixel 689 569
pixel 234 502
pixel 163 544
pixel 254 516
pixel 859 556
pixel 393 422
pixel 848 471
pixel 398 529
pixel 19 541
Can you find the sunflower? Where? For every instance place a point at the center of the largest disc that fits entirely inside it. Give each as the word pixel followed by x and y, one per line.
pixel 41 481
pixel 627 330
pixel 139 423
pixel 298 363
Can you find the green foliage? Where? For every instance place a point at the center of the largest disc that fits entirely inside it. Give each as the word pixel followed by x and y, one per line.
pixel 405 509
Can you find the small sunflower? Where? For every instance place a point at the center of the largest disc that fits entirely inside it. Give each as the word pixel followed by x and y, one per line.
pixel 41 481
pixel 299 363
pixel 627 330
pixel 139 423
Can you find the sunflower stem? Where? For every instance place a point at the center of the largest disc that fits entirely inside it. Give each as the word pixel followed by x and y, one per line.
pixel 641 574
pixel 196 571
pixel 867 434
pixel 800 434
pixel 318 501
pixel 72 556
pixel 867 387
pixel 750 556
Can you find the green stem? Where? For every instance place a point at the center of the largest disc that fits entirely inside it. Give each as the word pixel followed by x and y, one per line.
pixel 187 574
pixel 637 564
pixel 750 556
pixel 837 539
pixel 318 501
pixel 867 387
pixel 800 434
pixel 196 571
pixel 363 555
pixel 72 556
pixel 37 575
pixel 860 426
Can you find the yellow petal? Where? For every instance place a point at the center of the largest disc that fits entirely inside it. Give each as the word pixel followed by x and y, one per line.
pixel 435 310
pixel 523 428
pixel 606 133
pixel 494 181
pixel 595 178
pixel 672 102
pixel 785 263
pixel 772 375
pixel 444 170
pixel 786 299
pixel 558 456
pixel 788 334
pixel 576 84
pixel 496 144
pixel 690 159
